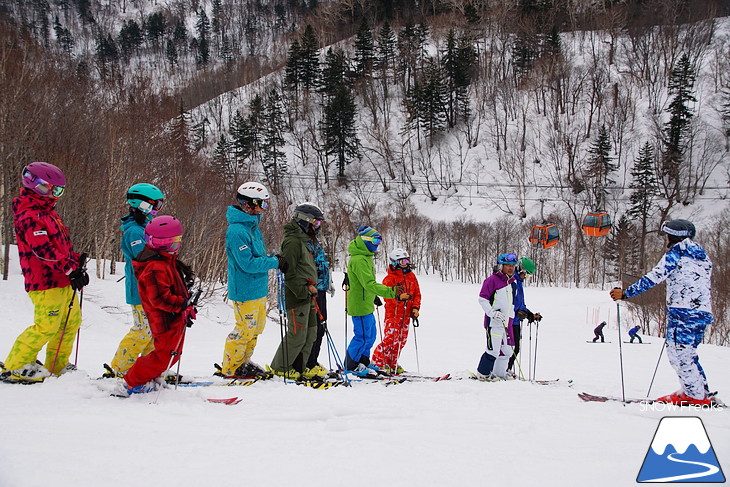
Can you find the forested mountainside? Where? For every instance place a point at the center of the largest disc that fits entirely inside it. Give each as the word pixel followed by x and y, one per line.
pixel 453 127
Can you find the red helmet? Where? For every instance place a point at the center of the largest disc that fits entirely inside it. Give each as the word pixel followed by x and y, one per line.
pixel 164 233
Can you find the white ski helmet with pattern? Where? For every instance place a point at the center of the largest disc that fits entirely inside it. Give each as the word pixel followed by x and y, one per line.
pixel 396 255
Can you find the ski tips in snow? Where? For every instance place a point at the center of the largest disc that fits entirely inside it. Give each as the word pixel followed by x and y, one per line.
pixel 229 401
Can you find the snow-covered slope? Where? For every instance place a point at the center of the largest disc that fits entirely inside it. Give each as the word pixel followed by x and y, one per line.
pixel 458 432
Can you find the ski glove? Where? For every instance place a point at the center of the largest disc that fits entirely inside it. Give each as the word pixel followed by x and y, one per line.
pixel 497 316
pixel 283 264
pixel 414 313
pixel 403 297
pixel 189 315
pixel 525 314
pixel 79 278
pixel 377 301
pixel 617 294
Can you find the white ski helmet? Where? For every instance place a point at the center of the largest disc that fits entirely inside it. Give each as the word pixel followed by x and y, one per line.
pixel 252 193
pixel 396 255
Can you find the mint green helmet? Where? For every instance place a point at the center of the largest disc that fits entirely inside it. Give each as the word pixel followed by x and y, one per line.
pixel 146 197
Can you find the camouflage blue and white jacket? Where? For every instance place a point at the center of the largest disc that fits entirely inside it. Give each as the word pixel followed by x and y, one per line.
pixel 687 270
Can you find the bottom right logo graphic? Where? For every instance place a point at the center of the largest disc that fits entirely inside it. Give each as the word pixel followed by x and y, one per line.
pixel 681 452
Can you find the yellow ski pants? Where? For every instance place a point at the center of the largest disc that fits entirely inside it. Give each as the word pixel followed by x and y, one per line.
pixel 51 308
pixel 240 343
pixel 136 343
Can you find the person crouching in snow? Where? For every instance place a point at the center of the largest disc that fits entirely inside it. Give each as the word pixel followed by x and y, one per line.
pixel 165 300
pixel 688 272
pixel 497 301
pixel 362 291
pixel 398 314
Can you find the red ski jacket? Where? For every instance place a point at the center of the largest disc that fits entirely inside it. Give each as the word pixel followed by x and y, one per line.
pixel 394 310
pixel 44 246
pixel 161 289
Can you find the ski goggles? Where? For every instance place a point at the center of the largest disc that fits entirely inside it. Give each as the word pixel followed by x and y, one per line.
pixel 509 259
pixel 404 261
pixel 261 203
pixel 313 221
pixel 374 239
pixel 150 207
pixel 44 187
pixel 168 244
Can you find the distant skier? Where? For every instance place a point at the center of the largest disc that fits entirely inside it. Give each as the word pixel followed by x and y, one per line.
pixel 145 201
pixel 300 282
pixel 598 332
pixel 688 272
pixel 398 314
pixel 360 300
pixel 497 301
pixel 52 277
pixel 165 298
pixel 525 268
pixel 634 334
pixel 248 278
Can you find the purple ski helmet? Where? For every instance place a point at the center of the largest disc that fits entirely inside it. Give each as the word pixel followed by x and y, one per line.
pixel 44 179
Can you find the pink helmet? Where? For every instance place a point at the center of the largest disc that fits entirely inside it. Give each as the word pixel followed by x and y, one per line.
pixel 44 179
pixel 164 233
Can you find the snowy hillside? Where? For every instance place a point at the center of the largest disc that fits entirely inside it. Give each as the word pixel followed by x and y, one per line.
pixel 458 432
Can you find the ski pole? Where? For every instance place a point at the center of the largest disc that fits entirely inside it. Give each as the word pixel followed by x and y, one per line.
pixel 173 353
pixel 283 322
pixel 345 288
pixel 338 360
pixel 534 362
pixel 63 331
pixel 78 333
pixel 620 352
pixel 529 364
pixel 380 327
pixel 416 324
pixel 655 369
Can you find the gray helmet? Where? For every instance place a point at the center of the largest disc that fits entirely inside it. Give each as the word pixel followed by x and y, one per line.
pixel 308 215
pixel 679 228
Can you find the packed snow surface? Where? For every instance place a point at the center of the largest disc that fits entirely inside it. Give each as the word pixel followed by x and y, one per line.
pixel 68 431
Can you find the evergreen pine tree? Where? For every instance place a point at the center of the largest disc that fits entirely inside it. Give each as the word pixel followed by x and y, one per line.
pixel 677 130
pixel 600 166
pixel 432 101
pixel 156 26
pixel 273 159
pixel 171 52
pixel 222 161
pixel 203 27
pixel 180 34
pixel 309 59
pixel 130 37
pixel 645 189
pixel 457 61
pixel 335 71
pixel 364 50
pixel 293 71
pixel 385 54
pixel 338 129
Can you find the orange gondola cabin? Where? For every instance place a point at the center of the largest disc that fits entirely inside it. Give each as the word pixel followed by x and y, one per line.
pixel 546 235
pixel 597 224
